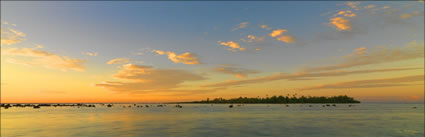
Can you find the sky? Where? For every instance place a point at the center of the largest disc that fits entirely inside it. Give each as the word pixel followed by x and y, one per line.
pixel 145 51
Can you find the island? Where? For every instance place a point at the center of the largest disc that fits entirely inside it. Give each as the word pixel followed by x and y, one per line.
pixel 280 100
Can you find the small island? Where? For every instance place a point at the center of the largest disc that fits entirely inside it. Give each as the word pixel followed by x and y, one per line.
pixel 280 100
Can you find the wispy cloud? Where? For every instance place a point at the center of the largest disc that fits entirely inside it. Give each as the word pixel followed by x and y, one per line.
pixel 90 53
pixel 185 58
pixel 383 15
pixel 38 46
pixel 345 13
pixel 232 45
pixel 146 79
pixel 265 27
pixel 411 14
pixel 11 36
pixel 44 58
pixel 118 61
pixel 235 71
pixel 353 5
pixel 361 57
pixel 252 38
pixel 241 26
pixel 301 76
pixel 373 83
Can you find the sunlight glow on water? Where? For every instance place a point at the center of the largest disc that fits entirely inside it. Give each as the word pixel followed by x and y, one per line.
pixel 217 120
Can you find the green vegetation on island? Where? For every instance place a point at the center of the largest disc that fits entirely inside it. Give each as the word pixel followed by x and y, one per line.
pixel 281 100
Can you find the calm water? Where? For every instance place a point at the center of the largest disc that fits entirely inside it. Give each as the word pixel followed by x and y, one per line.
pixel 195 120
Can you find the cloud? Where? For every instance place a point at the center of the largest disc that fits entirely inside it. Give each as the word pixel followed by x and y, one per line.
pixel 252 38
pixel 11 36
pixel 286 39
pixel 17 33
pixel 353 5
pixel 241 26
pixel 340 23
pixel 301 76
pixel 44 58
pixel 340 20
pixel 265 27
pixel 118 61
pixel 279 35
pixel 146 79
pixel 370 6
pixel 373 83
pixel 237 72
pixel 346 13
pixel 185 58
pixel 411 15
pixel 38 46
pixel 382 16
pixel 90 53
pixel 232 45
pixel 277 32
pixel 360 57
pixel 360 51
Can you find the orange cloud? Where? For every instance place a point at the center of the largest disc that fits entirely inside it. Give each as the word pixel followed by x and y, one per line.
pixel 286 39
pixel 340 23
pixel 252 38
pixel 43 58
pixel 346 13
pixel 277 32
pixel 11 36
pixel 118 61
pixel 145 79
pixel 281 37
pixel 232 45
pixel 185 58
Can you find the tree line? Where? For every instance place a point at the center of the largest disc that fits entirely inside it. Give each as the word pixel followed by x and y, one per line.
pixel 281 100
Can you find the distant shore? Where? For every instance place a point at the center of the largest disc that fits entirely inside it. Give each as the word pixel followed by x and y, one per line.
pixel 280 100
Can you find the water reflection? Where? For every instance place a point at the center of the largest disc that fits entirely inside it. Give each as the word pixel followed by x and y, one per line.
pixel 216 120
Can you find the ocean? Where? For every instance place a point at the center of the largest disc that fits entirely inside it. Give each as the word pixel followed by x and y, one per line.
pixel 217 120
